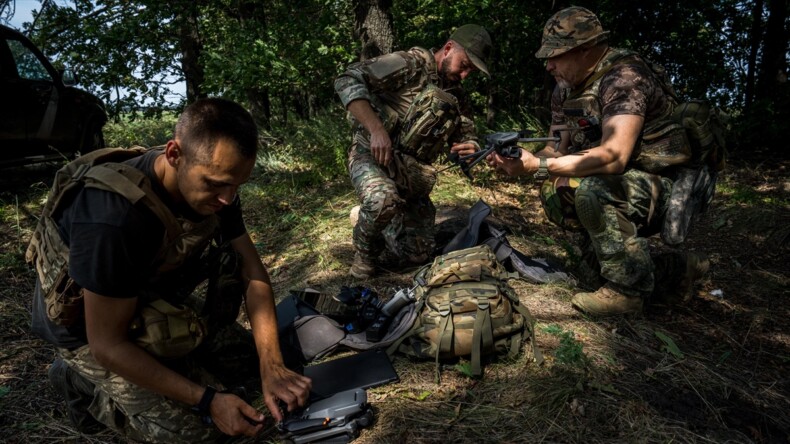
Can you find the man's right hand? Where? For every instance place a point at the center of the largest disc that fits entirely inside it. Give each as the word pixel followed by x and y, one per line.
pixel 380 142
pixel 235 417
pixel 381 146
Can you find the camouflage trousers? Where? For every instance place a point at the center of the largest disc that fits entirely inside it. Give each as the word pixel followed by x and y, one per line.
pixel 616 212
pixel 396 214
pixel 227 360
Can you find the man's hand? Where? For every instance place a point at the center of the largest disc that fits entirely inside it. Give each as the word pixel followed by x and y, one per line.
pixel 235 417
pixel 381 146
pixel 527 164
pixel 464 149
pixel 380 142
pixel 282 384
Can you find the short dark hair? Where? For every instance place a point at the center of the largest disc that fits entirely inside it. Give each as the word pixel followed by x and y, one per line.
pixel 206 121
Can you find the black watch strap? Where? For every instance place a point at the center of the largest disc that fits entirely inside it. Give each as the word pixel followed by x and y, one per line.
pixel 543 170
pixel 203 407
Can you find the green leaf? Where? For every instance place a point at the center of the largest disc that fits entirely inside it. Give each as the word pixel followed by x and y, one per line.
pixel 4 390
pixel 465 368
pixel 422 396
pixel 669 345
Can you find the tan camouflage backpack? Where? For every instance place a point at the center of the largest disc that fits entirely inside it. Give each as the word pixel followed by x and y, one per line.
pixel 466 309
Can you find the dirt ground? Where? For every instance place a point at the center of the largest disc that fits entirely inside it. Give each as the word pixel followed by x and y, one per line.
pixel 713 370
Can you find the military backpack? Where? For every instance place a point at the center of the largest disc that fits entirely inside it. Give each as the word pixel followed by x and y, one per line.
pixel 466 308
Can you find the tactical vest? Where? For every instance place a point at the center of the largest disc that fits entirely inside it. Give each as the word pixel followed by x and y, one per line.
pixel 418 118
pixel 431 119
pixel 102 169
pixel 663 141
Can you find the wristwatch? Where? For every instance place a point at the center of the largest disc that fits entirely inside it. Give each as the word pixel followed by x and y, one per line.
pixel 203 407
pixel 543 170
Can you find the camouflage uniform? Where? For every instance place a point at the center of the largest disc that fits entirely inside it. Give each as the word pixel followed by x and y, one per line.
pixel 143 415
pixel 615 211
pixel 396 212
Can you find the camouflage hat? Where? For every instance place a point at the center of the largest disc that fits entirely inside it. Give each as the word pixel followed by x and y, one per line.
pixel 477 43
pixel 570 28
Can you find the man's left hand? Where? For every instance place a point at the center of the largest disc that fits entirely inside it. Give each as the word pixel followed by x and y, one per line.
pixel 464 149
pixel 280 383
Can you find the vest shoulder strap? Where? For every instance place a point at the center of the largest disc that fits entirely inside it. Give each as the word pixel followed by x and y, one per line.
pixel 133 185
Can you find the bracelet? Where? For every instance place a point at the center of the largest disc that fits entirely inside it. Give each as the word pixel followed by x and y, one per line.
pixel 203 407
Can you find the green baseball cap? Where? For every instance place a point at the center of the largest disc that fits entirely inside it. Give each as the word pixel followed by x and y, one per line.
pixel 477 43
pixel 568 29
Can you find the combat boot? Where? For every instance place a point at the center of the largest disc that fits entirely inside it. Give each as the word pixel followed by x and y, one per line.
pixel 362 268
pixel 607 301
pixel 78 394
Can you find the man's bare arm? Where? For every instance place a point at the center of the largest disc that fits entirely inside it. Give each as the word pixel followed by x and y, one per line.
pixel 107 322
pixel 279 383
pixel 610 157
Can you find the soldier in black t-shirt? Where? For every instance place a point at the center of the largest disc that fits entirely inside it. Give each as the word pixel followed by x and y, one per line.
pixel 115 249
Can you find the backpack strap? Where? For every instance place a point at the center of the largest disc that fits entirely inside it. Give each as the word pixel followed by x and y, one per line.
pixel 516 304
pixel 445 333
pixel 482 334
pixel 417 328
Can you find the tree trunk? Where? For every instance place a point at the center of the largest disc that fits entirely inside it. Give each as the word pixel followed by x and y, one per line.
pixel 773 69
pixel 373 27
pixel 755 37
pixel 191 46
pixel 491 105
pixel 260 106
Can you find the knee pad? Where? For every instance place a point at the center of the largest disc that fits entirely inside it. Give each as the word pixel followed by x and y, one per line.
pixel 589 210
pixel 379 206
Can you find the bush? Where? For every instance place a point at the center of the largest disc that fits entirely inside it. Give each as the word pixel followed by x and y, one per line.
pixel 133 129
pixel 319 144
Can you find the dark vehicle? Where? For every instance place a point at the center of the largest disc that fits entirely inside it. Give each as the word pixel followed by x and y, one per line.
pixel 42 116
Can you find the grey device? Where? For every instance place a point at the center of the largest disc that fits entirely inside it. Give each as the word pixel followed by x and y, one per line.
pixel 336 419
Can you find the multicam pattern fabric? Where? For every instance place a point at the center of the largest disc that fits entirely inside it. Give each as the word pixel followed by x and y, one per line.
pixel 143 415
pixel 396 215
pixel 629 206
pixel 570 28
pixel 396 211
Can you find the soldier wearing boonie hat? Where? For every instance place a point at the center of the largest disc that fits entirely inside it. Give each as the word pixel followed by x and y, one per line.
pixel 406 108
pixel 568 29
pixel 607 104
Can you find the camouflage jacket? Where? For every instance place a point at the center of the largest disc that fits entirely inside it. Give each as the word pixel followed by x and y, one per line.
pixel 392 82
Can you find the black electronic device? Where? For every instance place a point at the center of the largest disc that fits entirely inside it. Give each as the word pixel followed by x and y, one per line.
pixel 337 418
pixel 367 369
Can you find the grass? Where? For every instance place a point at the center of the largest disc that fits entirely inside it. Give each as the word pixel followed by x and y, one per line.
pixel 710 371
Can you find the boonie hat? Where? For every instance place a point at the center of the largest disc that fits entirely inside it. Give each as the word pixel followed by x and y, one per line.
pixel 570 28
pixel 477 43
